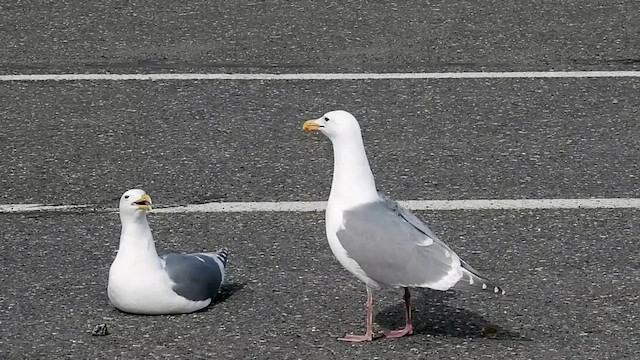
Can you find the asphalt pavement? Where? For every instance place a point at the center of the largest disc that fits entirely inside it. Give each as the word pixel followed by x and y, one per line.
pixel 572 276
pixel 321 36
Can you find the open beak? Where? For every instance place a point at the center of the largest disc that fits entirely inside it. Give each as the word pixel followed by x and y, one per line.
pixel 310 125
pixel 144 203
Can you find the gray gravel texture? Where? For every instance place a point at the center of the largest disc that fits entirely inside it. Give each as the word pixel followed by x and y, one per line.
pixel 572 276
pixel 281 36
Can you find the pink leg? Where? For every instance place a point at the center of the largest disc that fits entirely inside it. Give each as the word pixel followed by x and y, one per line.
pixel 368 336
pixel 408 328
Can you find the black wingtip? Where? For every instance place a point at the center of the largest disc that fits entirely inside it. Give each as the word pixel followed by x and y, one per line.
pixel 223 255
pixel 484 285
pixel 495 289
pixel 475 279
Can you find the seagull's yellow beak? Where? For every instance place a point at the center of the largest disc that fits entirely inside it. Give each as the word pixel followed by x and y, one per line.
pixel 310 125
pixel 144 203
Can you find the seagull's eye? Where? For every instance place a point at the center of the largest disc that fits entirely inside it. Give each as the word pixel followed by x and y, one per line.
pixel 126 196
pixel 326 119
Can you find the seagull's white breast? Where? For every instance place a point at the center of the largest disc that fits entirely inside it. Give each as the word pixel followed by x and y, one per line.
pixel 143 287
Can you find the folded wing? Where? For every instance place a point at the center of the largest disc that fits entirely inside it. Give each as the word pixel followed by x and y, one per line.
pixel 196 276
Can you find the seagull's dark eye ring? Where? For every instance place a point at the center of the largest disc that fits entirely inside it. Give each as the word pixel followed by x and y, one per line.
pixel 326 119
pixel 126 196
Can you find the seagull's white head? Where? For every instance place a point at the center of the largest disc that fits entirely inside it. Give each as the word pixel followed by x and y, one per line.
pixel 336 125
pixel 134 203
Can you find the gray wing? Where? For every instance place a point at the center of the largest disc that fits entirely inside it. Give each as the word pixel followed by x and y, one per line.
pixel 409 217
pixel 472 279
pixel 196 276
pixel 437 259
pixel 394 247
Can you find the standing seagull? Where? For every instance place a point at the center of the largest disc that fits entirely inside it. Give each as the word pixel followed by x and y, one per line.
pixel 376 239
pixel 141 282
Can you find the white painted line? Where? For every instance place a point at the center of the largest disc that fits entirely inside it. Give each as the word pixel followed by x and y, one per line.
pixel 310 206
pixel 21 208
pixel 521 204
pixel 301 206
pixel 324 76
pixel 286 206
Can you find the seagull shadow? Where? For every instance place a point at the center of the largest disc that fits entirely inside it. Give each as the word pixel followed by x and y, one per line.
pixel 433 317
pixel 227 290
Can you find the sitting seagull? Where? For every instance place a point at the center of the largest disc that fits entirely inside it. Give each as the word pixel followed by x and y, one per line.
pixel 376 239
pixel 142 282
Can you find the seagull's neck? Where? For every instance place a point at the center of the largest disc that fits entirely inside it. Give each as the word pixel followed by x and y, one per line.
pixel 353 182
pixel 136 239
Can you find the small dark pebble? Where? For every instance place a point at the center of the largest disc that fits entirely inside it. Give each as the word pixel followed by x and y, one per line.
pixel 100 330
pixel 489 331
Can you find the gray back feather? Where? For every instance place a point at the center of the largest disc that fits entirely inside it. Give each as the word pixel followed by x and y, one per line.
pixel 472 279
pixel 196 276
pixel 394 247
pixel 409 217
